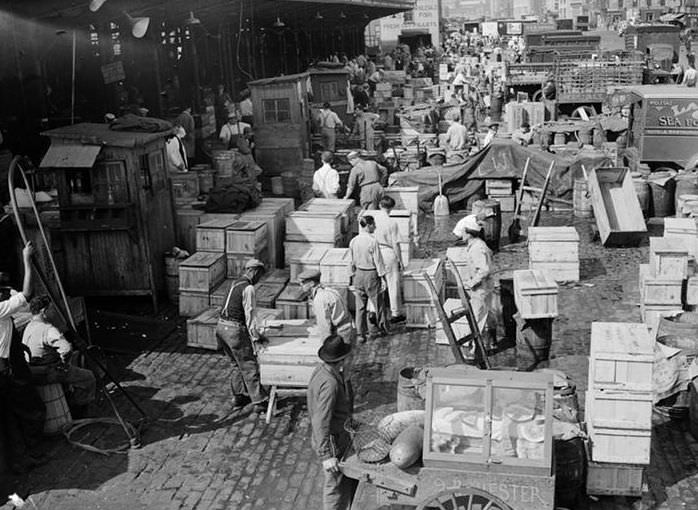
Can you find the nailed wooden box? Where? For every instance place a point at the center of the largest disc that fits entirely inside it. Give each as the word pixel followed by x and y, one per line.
pixel 185 186
pixel 274 215
pixel 235 262
pixel 186 221
pixel 277 276
pixel 210 236
pixel 498 186
pixel 335 267
pixel 651 313
pixel 554 250
pixel 692 291
pixel 627 446
pixel 201 330
pixel 294 250
pixel 267 293
pixel 683 231
pixel 414 286
pixel 621 356
pixel 607 479
pixel 456 254
pixel 201 272
pixel 535 294
pixel 659 290
pixel 319 227
pixel 420 315
pixel 403 218
pixel 246 237
pixel 192 304
pixel 309 260
pixel 667 258
pixel 461 328
pixel 344 207
pixel 294 302
pixel 290 357
pixel 406 197
pixel 507 203
pixel 619 409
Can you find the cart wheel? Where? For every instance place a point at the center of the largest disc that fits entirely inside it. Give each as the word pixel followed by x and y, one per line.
pixel 462 499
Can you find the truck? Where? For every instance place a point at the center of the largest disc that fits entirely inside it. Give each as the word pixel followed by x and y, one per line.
pixel 658 42
pixel 662 125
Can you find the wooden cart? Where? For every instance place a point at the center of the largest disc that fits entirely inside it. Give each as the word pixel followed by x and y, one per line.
pixel 499 457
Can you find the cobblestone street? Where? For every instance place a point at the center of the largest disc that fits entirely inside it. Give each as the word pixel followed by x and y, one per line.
pixel 197 454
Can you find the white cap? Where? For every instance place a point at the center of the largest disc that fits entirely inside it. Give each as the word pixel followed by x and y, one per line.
pixel 468 223
pixel 180 132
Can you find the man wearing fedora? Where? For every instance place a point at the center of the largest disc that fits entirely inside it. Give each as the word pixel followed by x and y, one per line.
pixel 330 404
pixel 331 311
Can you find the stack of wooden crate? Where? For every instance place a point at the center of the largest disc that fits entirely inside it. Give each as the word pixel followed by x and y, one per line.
pixel 306 230
pixel 245 240
pixel 335 272
pixel 201 330
pixel 198 276
pixel 618 404
pixel 273 211
pixel 535 294
pixel 556 251
pixel 344 207
pixel 419 310
pixel 684 232
pixel 406 199
pixel 501 190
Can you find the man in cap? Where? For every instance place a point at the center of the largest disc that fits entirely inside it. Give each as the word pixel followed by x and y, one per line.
pixel 186 121
pixel 329 121
pixel 456 135
pixel 477 279
pixel 240 338
pixel 232 132
pixel 330 405
pixel 491 133
pixel 331 312
pixel 368 176
pixel 523 135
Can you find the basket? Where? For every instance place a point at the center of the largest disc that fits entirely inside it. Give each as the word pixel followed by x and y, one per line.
pixel 369 443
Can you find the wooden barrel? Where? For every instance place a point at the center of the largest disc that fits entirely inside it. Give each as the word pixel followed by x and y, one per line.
pixel 686 184
pixel 223 163
pixel 662 194
pixel 533 340
pixel 559 139
pixel 682 210
pixel 642 190
pixel 409 397
pixel 508 304
pixel 277 186
pixel 581 199
pixel 489 213
pixel 172 278
pixel 570 466
pixel 57 412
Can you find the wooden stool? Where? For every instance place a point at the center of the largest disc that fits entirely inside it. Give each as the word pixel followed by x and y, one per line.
pixel 57 413
pixel 279 392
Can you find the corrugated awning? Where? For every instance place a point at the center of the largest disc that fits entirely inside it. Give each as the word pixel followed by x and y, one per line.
pixel 70 156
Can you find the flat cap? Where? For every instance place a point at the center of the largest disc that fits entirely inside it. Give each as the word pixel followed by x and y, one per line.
pixel 353 155
pixel 253 264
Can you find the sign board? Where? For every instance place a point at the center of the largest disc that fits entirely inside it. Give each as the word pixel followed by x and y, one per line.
pixel 443 72
pixel 113 72
pixel 671 116
pixel 424 16
pixel 514 28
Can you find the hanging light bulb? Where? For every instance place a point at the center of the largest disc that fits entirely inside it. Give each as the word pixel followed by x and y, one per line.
pixel 319 16
pixel 139 25
pixel 342 15
pixel 95 5
pixel 192 20
pixel 278 23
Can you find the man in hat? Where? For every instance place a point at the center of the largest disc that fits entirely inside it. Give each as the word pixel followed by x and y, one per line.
pixel 523 135
pixel 491 133
pixel 477 280
pixel 186 121
pixel 329 121
pixel 368 176
pixel 233 131
pixel 388 237
pixel 331 312
pixel 330 405
pixel 364 127
pixel 241 339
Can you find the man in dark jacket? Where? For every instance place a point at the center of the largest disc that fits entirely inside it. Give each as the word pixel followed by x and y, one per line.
pixel 330 404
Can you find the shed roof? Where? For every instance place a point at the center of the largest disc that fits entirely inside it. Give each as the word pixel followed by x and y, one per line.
pixel 100 134
pixel 279 79
pixel 660 91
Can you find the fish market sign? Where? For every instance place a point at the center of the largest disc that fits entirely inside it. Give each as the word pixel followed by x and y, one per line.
pixel 666 116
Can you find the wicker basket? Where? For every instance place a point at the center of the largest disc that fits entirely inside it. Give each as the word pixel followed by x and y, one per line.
pixel 369 443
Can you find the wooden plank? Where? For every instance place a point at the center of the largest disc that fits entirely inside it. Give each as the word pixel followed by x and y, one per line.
pixel 414 286
pixel 246 237
pixel 606 479
pixel 311 259
pixel 320 227
pixel 201 272
pixel 535 294
pixel 624 446
pixel 619 409
pixel 210 236
pixel 335 267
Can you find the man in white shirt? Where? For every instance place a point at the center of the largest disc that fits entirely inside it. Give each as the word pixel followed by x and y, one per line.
pixel 491 133
pixel 12 302
pixel 329 121
pixel 331 310
pixel 689 77
pixel 456 135
pixel 232 130
pixel 326 178
pixel 176 151
pixel 523 135
pixel 388 238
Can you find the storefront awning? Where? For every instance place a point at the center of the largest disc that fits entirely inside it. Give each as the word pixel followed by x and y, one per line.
pixel 70 156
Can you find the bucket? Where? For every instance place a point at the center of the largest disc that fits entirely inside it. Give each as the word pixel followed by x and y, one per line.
pixel 489 213
pixel 411 386
pixel 642 190
pixel 570 462
pixel 559 139
pixel 662 195
pixel 206 180
pixel 57 412
pixel 686 184
pixel 172 278
pixel 223 163
pixel 682 211
pixel 533 340
pixel 290 184
pixel 277 186
pixel 581 199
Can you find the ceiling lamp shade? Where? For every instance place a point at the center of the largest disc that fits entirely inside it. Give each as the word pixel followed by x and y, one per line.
pixel 192 20
pixel 342 15
pixel 319 16
pixel 278 23
pixel 96 4
pixel 139 25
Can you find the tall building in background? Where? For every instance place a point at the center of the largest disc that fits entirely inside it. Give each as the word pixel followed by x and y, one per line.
pixel 421 23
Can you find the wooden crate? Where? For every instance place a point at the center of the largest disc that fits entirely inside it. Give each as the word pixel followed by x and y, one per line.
pixel 185 186
pixel 201 330
pixel 554 250
pixel 403 218
pixel 282 205
pixel 461 328
pixel 344 207
pixel 613 409
pixel 668 259
pixel 277 276
pixel 659 290
pixel 294 250
pixel 621 356
pixel 683 231
pixel 651 314
pixel 192 304
pixel 294 302
pixel 406 197
pixel 606 479
pixel 219 217
pixel 420 315
pixel 498 186
pixel 626 446
pixel 210 236
pixel 535 294
pixel 507 203
pixel 246 237
pixel 458 255
pixel 290 357
pixel 220 293
pixel 414 286
pixel 559 271
pixel 276 230
pixel 318 227
pixel 335 267
pixel 267 292
pixel 309 260
pixel 235 262
pixel 186 220
pixel 616 207
pixel 692 291
pixel 201 272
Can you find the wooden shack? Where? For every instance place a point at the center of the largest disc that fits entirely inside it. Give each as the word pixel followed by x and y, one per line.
pixel 116 218
pixel 282 123
pixel 329 85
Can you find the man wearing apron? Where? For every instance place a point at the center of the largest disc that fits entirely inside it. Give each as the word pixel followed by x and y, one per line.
pixel 368 176
pixel 477 280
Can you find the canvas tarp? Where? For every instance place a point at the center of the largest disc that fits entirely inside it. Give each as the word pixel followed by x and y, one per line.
pixel 503 159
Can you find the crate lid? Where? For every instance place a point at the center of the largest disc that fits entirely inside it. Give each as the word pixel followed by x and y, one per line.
pixel 336 257
pixel 402 189
pixel 400 213
pixel 267 291
pixel 293 292
pixel 277 276
pixel 217 224
pixel 416 267
pixel 562 234
pixel 664 245
pixel 324 214
pixel 680 226
pixel 188 211
pixel 223 288
pixel 534 281
pixel 184 176
pixel 312 256
pixel 621 338
pixel 247 225
pixel 209 316
pixel 202 259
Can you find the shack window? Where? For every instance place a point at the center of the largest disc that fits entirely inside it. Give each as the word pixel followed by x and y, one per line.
pixel 276 110
pixel 329 91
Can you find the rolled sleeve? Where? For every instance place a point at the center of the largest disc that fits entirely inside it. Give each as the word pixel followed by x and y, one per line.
pixel 249 303
pixel 16 303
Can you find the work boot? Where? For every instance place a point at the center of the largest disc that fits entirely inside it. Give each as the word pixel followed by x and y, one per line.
pixel 373 318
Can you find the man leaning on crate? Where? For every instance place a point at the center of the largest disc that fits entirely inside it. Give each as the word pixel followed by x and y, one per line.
pixel 240 338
